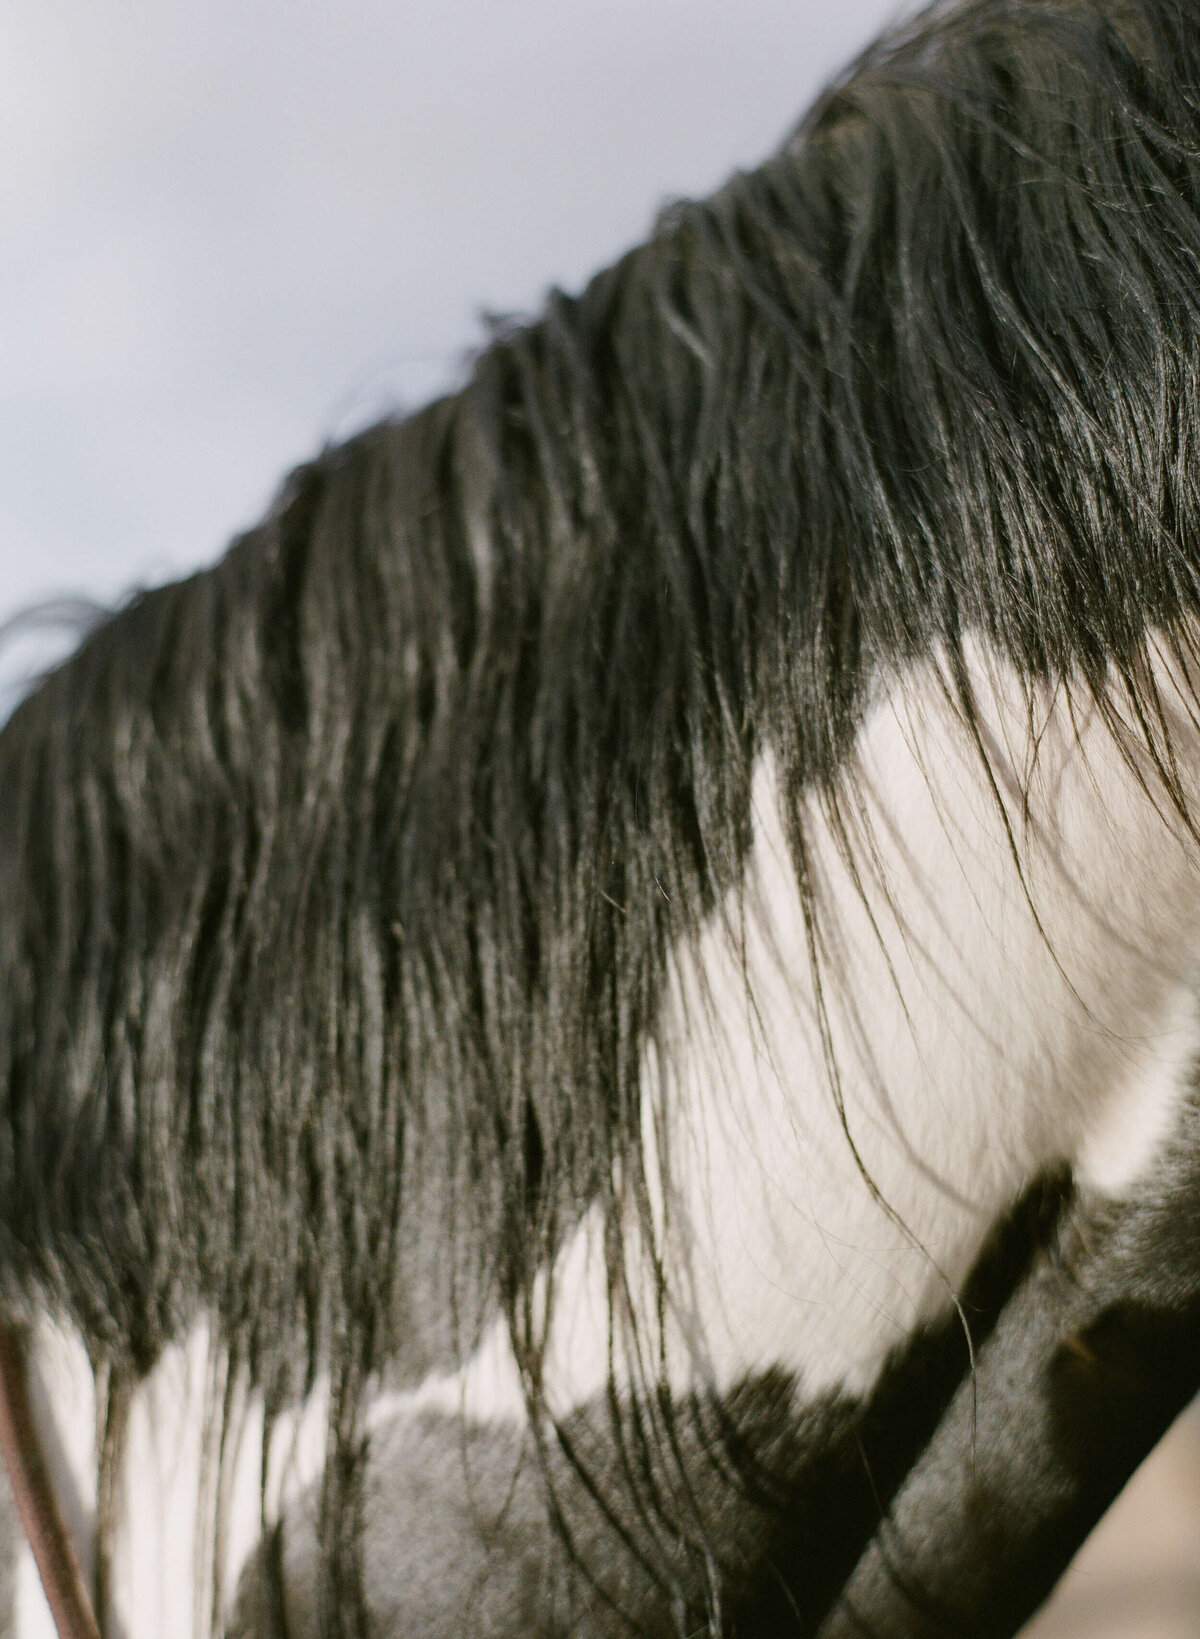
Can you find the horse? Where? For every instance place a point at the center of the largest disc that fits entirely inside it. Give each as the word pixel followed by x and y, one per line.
pixel 598 1025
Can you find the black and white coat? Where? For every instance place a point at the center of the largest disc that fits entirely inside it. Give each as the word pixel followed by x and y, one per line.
pixel 598 1026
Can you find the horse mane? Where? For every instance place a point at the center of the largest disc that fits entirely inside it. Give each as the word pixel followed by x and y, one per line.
pixel 339 883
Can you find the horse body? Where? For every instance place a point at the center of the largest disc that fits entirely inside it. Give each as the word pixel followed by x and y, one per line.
pixel 532 990
pixel 994 1014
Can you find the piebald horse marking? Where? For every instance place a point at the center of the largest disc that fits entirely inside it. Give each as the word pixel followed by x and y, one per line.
pixel 599 1026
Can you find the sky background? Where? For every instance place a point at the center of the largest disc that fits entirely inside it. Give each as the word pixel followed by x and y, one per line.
pixel 232 231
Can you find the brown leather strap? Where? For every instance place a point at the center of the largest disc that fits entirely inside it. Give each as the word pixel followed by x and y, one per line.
pixel 35 1499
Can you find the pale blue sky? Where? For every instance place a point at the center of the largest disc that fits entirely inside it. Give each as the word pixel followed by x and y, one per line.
pixel 231 230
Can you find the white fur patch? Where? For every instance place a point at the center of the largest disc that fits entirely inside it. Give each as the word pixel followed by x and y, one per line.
pixel 986 1021
pixel 163 1540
